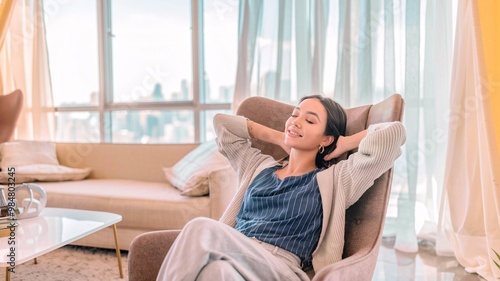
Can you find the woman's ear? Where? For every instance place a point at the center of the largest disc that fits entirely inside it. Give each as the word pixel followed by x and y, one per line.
pixel 327 141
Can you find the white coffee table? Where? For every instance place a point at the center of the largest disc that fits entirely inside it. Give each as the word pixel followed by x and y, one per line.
pixel 52 229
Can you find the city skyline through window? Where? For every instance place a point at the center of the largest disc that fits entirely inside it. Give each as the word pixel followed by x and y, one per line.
pixel 140 55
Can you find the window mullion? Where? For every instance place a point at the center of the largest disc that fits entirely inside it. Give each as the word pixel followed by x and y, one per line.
pixel 104 41
pixel 198 63
pixel 102 84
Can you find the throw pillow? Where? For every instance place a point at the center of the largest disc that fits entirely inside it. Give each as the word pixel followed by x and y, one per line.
pixel 43 172
pixel 190 175
pixel 34 161
pixel 20 153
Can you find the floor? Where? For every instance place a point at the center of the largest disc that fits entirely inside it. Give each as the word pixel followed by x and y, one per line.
pixel 424 265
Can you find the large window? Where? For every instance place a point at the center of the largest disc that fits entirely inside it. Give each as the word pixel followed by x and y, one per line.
pixel 152 71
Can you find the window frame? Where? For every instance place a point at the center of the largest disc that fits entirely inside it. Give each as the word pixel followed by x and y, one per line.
pixel 106 105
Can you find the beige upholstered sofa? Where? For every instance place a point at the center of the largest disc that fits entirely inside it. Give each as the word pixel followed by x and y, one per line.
pixel 128 179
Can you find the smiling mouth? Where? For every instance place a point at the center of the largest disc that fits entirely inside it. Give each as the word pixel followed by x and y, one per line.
pixel 293 133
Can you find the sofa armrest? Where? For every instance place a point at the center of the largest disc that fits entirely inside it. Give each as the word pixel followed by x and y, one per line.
pixel 147 252
pixel 363 262
pixel 222 184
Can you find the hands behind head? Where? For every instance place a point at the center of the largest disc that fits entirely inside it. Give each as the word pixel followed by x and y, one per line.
pixel 345 144
pixel 342 147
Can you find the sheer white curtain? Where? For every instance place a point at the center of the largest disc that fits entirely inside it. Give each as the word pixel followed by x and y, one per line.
pixel 404 47
pixel 6 11
pixel 281 51
pixel 24 66
pixel 471 202
pixel 382 47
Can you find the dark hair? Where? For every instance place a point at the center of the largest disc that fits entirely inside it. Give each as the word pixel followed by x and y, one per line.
pixel 335 126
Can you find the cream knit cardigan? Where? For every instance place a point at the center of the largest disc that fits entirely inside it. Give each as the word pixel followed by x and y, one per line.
pixel 340 185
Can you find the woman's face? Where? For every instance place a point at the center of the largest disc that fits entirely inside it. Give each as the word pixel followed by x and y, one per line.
pixel 305 129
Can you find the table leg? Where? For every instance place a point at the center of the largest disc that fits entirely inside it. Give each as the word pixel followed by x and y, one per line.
pixel 118 254
pixel 7 274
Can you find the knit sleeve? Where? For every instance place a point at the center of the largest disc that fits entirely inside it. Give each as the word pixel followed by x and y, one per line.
pixel 233 142
pixel 376 154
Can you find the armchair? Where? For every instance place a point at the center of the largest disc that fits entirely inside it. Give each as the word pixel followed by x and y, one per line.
pixel 364 220
pixel 10 109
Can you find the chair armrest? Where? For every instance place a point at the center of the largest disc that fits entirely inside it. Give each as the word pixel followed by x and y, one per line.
pixel 147 252
pixel 222 184
pixel 359 266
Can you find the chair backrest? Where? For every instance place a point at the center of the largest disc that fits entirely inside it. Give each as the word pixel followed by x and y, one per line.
pixel 366 217
pixel 10 108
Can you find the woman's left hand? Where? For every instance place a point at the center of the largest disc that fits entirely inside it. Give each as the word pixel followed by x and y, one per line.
pixel 345 144
pixel 341 148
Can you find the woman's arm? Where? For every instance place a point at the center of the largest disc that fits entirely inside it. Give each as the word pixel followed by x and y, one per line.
pixel 232 139
pixel 377 152
pixel 266 134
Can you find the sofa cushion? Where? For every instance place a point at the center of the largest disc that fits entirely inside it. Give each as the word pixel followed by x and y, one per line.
pixel 142 205
pixel 34 161
pixel 191 174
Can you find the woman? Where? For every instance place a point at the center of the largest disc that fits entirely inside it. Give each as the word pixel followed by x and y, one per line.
pixel 285 217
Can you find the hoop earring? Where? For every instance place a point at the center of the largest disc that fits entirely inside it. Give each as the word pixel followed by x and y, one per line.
pixel 321 149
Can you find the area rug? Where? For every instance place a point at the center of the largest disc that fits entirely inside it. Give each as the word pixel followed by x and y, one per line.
pixel 72 263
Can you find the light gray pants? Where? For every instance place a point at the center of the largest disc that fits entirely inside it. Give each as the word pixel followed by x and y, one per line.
pixel 210 250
